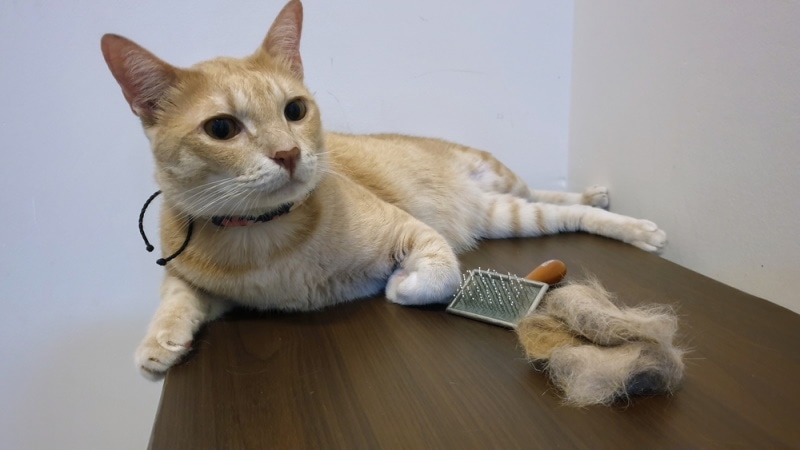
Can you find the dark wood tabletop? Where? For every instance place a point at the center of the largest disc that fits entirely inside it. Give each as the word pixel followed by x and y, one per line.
pixel 372 374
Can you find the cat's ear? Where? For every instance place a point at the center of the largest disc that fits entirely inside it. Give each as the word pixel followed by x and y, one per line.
pixel 283 38
pixel 143 77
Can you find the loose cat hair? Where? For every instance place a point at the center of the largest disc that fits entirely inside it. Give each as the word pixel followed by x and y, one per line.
pixel 239 138
pixel 597 351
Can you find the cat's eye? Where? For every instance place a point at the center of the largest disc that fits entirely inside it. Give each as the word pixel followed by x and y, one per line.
pixel 295 110
pixel 222 127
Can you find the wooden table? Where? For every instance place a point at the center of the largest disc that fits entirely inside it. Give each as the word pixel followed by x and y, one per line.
pixel 371 374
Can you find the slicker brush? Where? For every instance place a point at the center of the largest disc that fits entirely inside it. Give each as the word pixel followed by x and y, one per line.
pixel 504 299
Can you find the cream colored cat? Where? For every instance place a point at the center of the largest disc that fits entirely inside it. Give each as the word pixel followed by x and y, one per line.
pixel 286 216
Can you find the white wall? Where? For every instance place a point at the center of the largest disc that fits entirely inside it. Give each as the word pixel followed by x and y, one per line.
pixel 494 75
pixel 690 111
pixel 77 286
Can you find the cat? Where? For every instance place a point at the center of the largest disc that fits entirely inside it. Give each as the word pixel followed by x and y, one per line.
pixel 285 216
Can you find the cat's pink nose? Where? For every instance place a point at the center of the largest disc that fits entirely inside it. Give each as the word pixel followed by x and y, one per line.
pixel 287 159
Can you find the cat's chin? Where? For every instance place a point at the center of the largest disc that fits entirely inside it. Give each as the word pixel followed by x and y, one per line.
pixel 292 191
pixel 277 189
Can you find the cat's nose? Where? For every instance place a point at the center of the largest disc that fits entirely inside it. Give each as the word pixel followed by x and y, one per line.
pixel 287 159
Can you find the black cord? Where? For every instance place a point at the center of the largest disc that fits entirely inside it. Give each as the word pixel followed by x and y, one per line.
pixel 162 261
pixel 141 220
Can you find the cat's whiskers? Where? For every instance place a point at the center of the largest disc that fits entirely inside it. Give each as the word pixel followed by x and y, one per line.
pixel 331 171
pixel 199 194
pixel 206 200
pixel 246 201
pixel 210 196
pixel 203 186
pixel 334 166
pixel 203 203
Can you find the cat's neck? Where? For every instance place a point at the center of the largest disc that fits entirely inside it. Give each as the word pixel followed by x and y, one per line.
pixel 229 240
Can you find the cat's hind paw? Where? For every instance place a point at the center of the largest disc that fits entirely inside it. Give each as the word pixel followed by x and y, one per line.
pixel 648 237
pixel 596 196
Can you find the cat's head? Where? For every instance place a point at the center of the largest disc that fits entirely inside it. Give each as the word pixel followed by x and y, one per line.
pixel 229 136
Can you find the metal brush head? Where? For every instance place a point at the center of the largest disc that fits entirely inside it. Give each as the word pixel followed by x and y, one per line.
pixel 495 298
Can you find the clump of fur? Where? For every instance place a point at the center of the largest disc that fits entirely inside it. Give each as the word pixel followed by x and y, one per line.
pixel 597 352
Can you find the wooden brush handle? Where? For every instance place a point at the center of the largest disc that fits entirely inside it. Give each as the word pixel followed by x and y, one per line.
pixel 550 272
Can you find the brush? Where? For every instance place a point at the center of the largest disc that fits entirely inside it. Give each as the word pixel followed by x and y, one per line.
pixel 504 299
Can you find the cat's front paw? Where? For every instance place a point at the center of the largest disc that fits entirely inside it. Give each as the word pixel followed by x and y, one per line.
pixel 647 236
pixel 596 196
pixel 162 348
pixel 421 287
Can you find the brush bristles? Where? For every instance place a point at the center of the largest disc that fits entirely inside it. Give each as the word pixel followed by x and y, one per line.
pixel 496 298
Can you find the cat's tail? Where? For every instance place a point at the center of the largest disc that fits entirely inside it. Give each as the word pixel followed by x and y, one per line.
pixel 509 216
